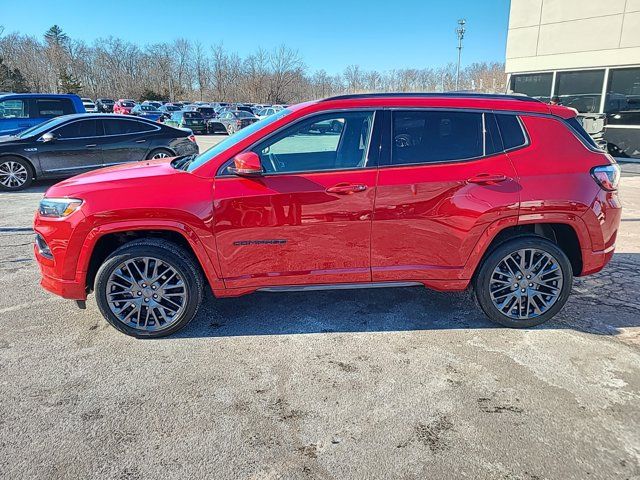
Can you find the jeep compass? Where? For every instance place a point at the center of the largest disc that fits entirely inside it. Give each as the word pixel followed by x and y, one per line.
pixel 503 194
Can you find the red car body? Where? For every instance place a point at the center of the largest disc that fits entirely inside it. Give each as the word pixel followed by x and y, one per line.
pixel 429 223
pixel 121 106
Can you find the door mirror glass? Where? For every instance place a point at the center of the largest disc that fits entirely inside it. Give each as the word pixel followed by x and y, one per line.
pixel 48 137
pixel 246 164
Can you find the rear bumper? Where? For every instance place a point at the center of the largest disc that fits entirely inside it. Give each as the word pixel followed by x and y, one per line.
pixel 602 221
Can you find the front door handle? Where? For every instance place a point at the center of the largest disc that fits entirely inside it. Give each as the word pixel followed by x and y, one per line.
pixel 92 145
pixel 485 178
pixel 346 188
pixel 140 141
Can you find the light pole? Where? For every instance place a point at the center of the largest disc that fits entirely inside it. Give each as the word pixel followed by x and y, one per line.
pixel 460 33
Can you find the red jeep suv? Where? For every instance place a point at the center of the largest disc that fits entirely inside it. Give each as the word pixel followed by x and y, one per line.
pixel 502 193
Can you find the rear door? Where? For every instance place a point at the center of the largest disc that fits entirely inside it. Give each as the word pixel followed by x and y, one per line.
pixel 443 179
pixel 308 218
pixel 126 140
pixel 74 150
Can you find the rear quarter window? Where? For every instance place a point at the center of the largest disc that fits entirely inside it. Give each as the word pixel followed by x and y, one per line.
pixel 577 127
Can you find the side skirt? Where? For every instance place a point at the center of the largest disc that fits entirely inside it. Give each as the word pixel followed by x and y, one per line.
pixel 337 286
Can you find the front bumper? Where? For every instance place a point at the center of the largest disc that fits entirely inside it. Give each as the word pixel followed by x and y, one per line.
pixel 72 289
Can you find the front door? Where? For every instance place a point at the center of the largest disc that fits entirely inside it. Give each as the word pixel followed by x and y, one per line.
pixel 74 149
pixel 307 219
pixel 443 181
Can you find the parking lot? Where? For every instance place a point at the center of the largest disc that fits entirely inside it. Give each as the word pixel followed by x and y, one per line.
pixel 384 383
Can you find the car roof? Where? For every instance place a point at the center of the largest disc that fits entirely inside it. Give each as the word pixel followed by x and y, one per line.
pixel 75 116
pixel 516 103
pixel 40 95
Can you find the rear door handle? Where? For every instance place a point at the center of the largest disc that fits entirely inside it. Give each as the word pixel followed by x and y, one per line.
pixel 141 141
pixel 485 178
pixel 346 188
pixel 93 145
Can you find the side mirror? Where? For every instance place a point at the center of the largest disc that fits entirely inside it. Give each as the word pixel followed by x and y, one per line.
pixel 48 137
pixel 247 164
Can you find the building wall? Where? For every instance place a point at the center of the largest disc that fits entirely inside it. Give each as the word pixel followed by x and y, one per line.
pixel 565 34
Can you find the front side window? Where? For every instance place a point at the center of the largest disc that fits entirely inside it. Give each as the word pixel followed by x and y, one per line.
pixel 77 129
pixel 333 141
pixel 536 85
pixel 53 107
pixel 13 109
pixel 421 137
pixel 623 97
pixel 581 90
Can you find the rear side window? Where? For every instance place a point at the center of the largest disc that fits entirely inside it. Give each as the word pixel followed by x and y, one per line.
pixel 53 107
pixel 435 136
pixel 123 127
pixel 511 131
pixel 78 129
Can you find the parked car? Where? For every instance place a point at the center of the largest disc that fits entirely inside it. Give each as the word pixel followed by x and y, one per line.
pixel 146 111
pixel 234 120
pixel 105 105
pixel 192 120
pixel 71 144
pixel 154 103
pixel 89 106
pixel 265 112
pixel 166 110
pixel 123 106
pixel 502 193
pixel 20 111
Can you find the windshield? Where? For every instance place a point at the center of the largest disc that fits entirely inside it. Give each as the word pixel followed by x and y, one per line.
pixel 41 128
pixel 234 139
pixel 127 104
pixel 206 110
pixel 192 115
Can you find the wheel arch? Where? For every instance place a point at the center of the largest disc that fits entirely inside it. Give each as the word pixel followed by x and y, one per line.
pixel 104 240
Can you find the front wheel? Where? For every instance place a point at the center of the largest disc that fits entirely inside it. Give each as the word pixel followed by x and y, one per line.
pixel 149 288
pixel 15 173
pixel 524 282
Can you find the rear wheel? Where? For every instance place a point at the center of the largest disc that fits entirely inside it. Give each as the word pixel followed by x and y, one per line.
pixel 15 173
pixel 230 129
pixel 149 288
pixel 524 282
pixel 159 153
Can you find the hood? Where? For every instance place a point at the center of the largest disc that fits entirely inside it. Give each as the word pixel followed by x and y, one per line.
pixel 12 140
pixel 125 175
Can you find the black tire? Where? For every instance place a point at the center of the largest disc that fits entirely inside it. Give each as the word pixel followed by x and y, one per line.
pixel 175 256
pixel 158 151
pixel 7 161
pixel 481 282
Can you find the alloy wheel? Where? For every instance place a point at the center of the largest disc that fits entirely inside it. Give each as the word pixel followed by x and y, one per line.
pixel 160 155
pixel 526 283
pixel 147 294
pixel 13 174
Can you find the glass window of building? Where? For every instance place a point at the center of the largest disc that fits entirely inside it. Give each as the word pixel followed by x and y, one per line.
pixel 581 90
pixel 536 85
pixel 623 97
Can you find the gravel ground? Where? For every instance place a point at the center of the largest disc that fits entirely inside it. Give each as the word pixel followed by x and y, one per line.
pixel 386 383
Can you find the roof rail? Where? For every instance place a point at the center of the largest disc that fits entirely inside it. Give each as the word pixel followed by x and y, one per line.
pixel 489 96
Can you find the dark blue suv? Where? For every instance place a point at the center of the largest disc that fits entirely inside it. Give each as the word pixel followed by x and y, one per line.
pixel 19 111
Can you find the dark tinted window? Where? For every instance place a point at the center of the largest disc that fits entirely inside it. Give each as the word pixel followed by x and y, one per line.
pixel 493 140
pixel 78 129
pixel 581 90
pixel 537 85
pixel 192 115
pixel 122 127
pixel 53 107
pixel 623 97
pixel 510 131
pixel 433 136
pixel 128 104
pixel 13 108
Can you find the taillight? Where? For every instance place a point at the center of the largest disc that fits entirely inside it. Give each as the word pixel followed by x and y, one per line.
pixel 607 176
pixel 239 123
pixel 192 138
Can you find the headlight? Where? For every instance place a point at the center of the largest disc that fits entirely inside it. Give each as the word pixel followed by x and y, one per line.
pixel 58 207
